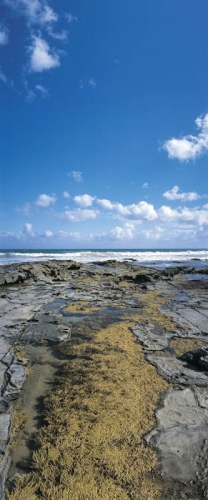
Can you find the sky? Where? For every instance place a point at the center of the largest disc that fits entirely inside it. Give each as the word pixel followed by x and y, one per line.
pixel 104 124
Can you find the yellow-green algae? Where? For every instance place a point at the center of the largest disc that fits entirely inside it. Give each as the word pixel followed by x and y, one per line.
pixel 19 418
pixel 181 346
pixel 102 405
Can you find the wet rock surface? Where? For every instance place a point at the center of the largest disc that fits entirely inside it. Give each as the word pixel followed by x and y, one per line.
pixel 33 300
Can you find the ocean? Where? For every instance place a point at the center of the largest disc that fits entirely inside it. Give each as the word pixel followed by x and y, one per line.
pixel 151 258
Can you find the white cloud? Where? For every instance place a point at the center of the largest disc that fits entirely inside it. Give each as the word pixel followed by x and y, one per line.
pixel 127 231
pixel 173 194
pixel 25 210
pixel 107 204
pixel 189 147
pixel 85 200
pixel 35 11
pixel 3 77
pixel 79 215
pixel 44 200
pixel 145 185
pixel 168 214
pixel 65 194
pixel 42 90
pixel 173 234
pixel 28 230
pixel 4 35
pixel 48 234
pixel 42 57
pixel 157 233
pixel 63 35
pixel 92 83
pixel 184 215
pixel 70 18
pixel 77 176
pixel 142 209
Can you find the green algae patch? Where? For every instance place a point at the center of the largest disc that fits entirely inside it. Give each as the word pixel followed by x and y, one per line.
pixel 91 447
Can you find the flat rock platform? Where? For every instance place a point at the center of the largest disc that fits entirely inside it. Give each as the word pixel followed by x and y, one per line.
pixel 48 305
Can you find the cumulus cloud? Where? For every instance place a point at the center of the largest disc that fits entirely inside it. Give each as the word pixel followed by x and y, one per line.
pixel 147 212
pixel 127 231
pixel 189 147
pixel 107 204
pixel 44 200
pixel 142 209
pixel 155 233
pixel 42 58
pixel 184 215
pixel 168 214
pixel 85 200
pixel 4 35
pixel 79 215
pixel 77 176
pixel 173 194
pixel 145 185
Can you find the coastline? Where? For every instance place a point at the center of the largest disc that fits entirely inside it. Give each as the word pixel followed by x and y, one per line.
pixel 65 311
pixel 146 257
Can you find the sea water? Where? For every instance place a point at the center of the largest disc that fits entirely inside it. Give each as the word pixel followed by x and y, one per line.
pixel 154 258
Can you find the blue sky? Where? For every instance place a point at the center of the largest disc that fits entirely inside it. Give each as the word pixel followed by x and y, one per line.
pixel 104 124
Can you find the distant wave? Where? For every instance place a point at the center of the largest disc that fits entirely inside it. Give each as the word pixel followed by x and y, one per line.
pixel 87 256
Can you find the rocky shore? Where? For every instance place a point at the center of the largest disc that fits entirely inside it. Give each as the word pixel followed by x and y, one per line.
pixel 53 313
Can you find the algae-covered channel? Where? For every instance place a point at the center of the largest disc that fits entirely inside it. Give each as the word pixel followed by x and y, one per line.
pixel 90 442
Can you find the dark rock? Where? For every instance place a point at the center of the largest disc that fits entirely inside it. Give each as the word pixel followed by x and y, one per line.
pixel 21 277
pixel 4 406
pixel 106 263
pixel 4 466
pixel 198 358
pixel 142 278
pixel 74 267
pixel 138 278
pixel 54 272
